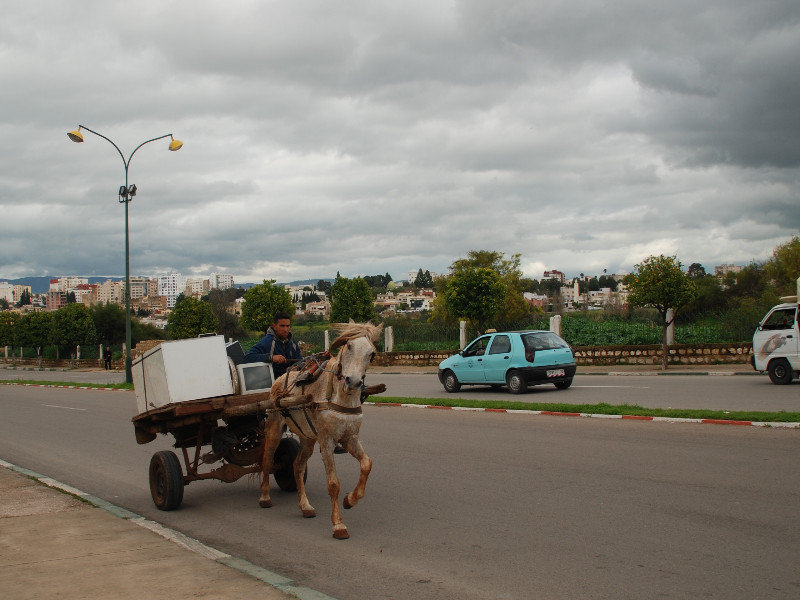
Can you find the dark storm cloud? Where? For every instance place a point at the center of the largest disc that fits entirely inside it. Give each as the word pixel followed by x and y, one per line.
pixel 374 137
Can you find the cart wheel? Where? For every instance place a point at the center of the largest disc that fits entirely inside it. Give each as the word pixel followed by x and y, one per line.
pixel 283 464
pixel 166 480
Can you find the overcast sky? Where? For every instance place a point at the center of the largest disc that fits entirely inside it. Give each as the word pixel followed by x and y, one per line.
pixel 371 137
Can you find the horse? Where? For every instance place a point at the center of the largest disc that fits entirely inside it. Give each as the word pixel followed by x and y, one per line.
pixel 333 417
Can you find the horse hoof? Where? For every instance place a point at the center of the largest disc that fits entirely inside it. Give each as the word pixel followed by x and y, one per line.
pixel 309 514
pixel 341 534
pixel 265 503
pixel 346 502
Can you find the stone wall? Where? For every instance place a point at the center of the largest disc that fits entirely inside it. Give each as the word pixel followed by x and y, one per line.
pixel 679 354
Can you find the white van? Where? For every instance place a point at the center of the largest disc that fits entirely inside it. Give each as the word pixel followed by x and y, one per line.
pixel 776 342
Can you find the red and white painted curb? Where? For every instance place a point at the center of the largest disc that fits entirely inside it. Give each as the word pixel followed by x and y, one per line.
pixel 550 413
pixel 591 415
pixel 69 387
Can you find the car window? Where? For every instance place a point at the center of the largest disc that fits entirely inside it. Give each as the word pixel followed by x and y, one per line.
pixel 782 318
pixel 500 344
pixel 543 340
pixel 477 348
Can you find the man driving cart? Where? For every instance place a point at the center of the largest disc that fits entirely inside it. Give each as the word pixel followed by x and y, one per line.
pixel 278 347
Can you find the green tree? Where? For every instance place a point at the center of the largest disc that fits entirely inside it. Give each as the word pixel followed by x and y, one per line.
pixel 324 285
pixel 109 323
pixel 784 267
pixel 351 299
pixel 659 282
pixel 189 318
pixel 513 308
pixel 35 330
pixel 73 326
pixel 24 299
pixel 261 302
pixel 8 333
pixel 696 271
pixel 474 294
pixel 423 280
pixel 4 305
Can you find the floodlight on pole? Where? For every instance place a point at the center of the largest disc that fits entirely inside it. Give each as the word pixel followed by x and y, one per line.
pixel 126 194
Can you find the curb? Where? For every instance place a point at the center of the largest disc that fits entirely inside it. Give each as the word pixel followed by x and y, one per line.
pixel 592 415
pixel 279 582
pixel 68 387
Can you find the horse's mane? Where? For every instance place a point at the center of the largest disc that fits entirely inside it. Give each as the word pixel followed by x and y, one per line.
pixel 351 331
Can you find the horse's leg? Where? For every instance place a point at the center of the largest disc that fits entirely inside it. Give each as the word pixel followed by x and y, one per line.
pixel 355 448
pixel 272 437
pixel 326 447
pixel 306 450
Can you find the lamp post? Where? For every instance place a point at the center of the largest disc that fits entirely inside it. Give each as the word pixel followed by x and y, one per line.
pixel 126 194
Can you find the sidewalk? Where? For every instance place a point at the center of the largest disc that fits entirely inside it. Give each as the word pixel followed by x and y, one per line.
pixel 54 545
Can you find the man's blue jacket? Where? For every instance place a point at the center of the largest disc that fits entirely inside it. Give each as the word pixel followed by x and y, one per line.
pixel 271 345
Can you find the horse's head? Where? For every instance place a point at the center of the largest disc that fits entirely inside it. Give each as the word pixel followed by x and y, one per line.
pixel 358 348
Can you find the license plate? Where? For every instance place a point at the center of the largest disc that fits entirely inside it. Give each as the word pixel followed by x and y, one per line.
pixel 555 373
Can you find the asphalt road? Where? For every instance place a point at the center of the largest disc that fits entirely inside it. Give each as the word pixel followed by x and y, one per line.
pixel 473 505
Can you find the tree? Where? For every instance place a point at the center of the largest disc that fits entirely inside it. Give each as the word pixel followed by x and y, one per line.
pixel 8 332
pixel 513 307
pixel 222 303
pixel 475 295
pixel 35 330
pixel 109 323
pixel 658 281
pixel 324 285
pixel 696 271
pixel 783 268
pixel 189 318
pixel 423 280
pixel 24 299
pixel 261 302
pixel 351 299
pixel 73 326
pixel 4 305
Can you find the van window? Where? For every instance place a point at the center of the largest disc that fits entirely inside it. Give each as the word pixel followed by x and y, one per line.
pixel 783 318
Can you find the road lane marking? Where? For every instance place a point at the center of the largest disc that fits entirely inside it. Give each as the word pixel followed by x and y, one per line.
pixel 632 387
pixel 64 407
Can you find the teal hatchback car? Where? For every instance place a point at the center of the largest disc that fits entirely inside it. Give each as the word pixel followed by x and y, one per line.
pixel 515 359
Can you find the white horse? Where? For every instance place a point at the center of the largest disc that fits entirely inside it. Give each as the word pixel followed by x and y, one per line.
pixel 333 417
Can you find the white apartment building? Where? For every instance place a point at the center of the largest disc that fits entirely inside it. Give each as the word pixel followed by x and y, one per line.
pixel 220 281
pixel 196 286
pixel 6 292
pixel 110 292
pixel 171 286
pixel 67 284
pixel 140 287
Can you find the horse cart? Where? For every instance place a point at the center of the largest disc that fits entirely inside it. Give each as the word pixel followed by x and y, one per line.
pixel 195 391
pixel 220 438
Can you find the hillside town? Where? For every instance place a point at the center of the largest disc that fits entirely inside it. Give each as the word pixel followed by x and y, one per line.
pixel 152 298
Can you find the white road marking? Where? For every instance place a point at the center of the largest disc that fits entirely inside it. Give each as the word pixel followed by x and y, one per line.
pixel 632 387
pixel 64 407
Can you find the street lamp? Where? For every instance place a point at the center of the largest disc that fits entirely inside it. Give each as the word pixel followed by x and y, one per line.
pixel 126 194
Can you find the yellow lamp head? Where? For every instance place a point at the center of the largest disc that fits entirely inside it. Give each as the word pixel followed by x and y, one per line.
pixel 76 136
pixel 175 145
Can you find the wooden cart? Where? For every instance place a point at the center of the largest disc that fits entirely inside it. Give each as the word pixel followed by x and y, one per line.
pixel 229 428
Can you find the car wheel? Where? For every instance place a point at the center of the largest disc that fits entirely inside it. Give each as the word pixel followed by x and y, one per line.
pixel 450 382
pixel 516 383
pixel 562 385
pixel 780 371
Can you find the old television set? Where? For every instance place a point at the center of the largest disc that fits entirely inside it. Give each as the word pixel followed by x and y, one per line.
pixel 254 378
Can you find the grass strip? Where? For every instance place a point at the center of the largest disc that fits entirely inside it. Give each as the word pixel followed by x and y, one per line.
pixel 602 409
pixel 75 384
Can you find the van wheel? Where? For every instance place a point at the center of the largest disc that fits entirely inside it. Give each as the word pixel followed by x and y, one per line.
pixel 780 371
